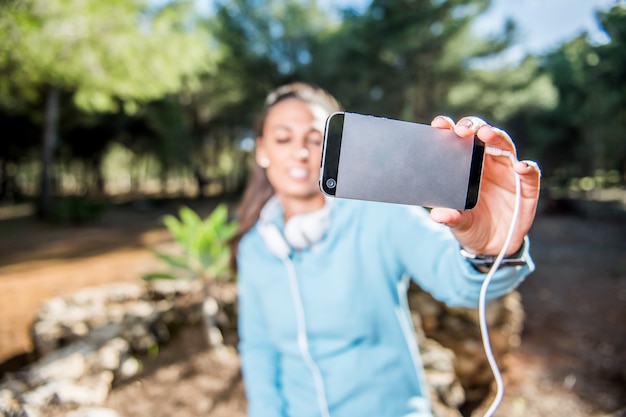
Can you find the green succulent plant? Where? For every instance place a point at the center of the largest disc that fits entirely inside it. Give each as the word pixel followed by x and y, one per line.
pixel 203 252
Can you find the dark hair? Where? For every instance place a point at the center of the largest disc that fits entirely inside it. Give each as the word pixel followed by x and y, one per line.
pixel 259 189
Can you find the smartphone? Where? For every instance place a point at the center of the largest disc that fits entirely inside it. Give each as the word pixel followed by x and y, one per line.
pixel 379 159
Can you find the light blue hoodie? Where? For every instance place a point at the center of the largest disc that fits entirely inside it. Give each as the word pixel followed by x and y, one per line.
pixel 358 327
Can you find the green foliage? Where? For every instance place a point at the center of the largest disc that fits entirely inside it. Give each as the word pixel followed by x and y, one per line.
pixel 202 246
pixel 184 88
pixel 101 51
pixel 499 94
pixel 109 55
pixel 400 58
pixel 585 131
pixel 265 43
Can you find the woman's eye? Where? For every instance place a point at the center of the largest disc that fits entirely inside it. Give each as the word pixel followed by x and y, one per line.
pixel 283 139
pixel 315 140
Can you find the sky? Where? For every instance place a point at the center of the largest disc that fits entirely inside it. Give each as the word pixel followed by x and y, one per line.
pixel 543 25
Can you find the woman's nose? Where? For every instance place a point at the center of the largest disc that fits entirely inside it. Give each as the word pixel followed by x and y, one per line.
pixel 302 153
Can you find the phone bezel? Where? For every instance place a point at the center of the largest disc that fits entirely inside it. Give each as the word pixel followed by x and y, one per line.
pixel 475 174
pixel 331 150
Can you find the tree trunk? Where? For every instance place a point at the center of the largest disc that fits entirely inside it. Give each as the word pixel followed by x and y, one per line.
pixel 50 132
pixel 4 181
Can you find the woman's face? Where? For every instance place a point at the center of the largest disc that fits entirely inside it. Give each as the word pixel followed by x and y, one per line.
pixel 291 143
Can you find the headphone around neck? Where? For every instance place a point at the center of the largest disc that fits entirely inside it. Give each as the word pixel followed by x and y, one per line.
pixel 301 231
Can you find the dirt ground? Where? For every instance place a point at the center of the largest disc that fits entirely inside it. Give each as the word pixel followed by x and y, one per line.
pixel 570 363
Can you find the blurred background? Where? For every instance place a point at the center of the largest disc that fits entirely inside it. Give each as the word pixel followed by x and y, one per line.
pixel 116 113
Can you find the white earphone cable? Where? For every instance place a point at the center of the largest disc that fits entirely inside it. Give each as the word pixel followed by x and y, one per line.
pixel 301 323
pixel 303 342
pixel 484 329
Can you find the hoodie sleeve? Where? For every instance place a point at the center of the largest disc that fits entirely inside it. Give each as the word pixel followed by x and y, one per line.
pixel 430 254
pixel 259 358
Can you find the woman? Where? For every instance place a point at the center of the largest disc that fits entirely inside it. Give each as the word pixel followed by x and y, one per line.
pixel 324 330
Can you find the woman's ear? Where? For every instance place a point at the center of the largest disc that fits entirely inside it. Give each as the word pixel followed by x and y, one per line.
pixel 260 155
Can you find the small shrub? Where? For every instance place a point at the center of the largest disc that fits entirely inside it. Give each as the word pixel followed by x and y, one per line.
pixel 203 250
pixel 203 254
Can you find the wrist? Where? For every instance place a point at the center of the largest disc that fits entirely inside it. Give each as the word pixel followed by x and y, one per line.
pixel 484 262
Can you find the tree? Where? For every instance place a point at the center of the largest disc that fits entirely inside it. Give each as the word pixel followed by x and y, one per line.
pixel 266 43
pixel 262 43
pixel 585 132
pixel 401 57
pixel 105 54
pixel 607 68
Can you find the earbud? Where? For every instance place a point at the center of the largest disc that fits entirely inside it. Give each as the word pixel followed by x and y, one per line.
pixel 264 162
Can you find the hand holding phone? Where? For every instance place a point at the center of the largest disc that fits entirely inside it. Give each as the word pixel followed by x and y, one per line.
pixel 378 159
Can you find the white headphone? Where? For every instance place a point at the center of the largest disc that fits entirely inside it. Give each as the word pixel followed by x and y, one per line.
pixel 301 231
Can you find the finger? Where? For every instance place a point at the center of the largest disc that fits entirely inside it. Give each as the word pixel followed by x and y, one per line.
pixel 527 167
pixel 447 216
pixel 469 126
pixel 443 122
pixel 496 137
pixel 529 171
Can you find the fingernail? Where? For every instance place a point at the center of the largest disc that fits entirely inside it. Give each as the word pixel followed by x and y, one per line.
pixel 468 123
pixel 532 164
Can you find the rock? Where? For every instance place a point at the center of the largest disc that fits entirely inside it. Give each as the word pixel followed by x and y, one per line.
pixel 9 406
pixel 90 390
pixel 458 330
pixel 112 354
pixel 92 412
pixel 86 340
pixel 130 367
pixel 66 363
